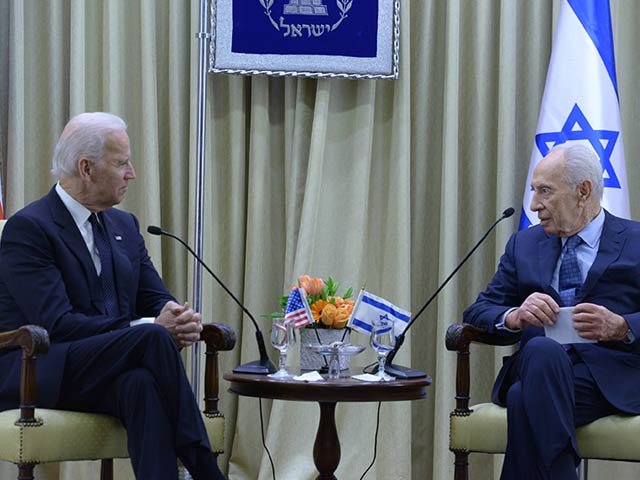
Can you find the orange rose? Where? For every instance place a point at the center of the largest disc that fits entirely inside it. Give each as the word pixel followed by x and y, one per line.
pixel 340 322
pixel 312 286
pixel 318 286
pixel 343 314
pixel 328 314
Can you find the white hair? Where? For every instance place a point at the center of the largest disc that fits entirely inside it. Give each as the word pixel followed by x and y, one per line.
pixel 582 163
pixel 84 136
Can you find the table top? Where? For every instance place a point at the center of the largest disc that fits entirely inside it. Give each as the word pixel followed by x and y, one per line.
pixel 328 390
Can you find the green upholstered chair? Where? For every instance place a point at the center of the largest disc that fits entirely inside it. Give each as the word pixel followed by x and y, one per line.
pixel 30 435
pixel 483 427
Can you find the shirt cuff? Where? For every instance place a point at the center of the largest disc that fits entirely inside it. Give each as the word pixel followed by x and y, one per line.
pixel 629 337
pixel 500 324
pixel 141 321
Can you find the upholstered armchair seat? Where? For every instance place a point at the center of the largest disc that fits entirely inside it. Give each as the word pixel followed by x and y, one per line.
pixel 61 436
pixel 470 433
pixel 482 428
pixel 30 435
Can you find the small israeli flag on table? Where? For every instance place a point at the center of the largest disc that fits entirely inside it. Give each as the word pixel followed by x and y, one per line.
pixel 369 308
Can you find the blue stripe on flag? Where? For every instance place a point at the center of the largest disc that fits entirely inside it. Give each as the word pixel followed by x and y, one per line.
pixel 386 308
pixel 595 17
pixel 360 324
pixel 524 220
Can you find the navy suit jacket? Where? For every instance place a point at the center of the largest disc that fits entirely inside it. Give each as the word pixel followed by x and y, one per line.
pixel 47 278
pixel 613 281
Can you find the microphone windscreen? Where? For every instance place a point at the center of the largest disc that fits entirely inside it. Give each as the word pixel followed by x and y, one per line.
pixel 508 212
pixel 153 230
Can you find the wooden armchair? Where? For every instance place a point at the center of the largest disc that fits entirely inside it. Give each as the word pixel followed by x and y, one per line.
pixel 483 427
pixel 29 436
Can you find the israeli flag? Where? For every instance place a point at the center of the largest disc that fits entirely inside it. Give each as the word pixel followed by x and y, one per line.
pixel 369 308
pixel 580 101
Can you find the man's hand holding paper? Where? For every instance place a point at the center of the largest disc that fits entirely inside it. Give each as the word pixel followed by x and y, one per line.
pixel 595 322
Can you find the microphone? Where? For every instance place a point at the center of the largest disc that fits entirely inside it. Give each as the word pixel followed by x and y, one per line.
pixel 262 366
pixel 404 372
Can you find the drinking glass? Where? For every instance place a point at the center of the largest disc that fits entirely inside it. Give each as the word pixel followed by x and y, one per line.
pixel 383 340
pixel 333 361
pixel 283 337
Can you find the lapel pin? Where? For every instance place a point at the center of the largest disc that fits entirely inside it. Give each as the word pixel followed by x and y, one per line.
pixel 118 238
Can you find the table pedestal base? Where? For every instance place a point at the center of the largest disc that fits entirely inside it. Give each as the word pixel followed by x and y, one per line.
pixel 326 449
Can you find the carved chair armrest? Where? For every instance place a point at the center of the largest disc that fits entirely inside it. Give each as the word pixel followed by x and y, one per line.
pixel 218 337
pixel 459 337
pixel 33 341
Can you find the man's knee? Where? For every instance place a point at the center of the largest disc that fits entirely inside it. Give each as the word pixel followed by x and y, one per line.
pixel 543 349
pixel 157 336
pixel 543 356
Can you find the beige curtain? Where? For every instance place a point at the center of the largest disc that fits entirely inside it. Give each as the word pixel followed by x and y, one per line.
pixel 378 183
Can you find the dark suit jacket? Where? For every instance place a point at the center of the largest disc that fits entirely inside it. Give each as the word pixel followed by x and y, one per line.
pixel 613 281
pixel 47 278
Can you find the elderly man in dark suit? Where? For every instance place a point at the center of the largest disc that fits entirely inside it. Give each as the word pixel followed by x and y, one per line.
pixel 79 268
pixel 580 255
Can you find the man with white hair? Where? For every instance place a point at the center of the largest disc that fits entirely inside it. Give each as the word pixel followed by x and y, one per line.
pixel 579 256
pixel 74 265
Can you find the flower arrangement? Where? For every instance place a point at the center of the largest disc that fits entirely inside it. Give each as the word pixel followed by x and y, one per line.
pixel 329 310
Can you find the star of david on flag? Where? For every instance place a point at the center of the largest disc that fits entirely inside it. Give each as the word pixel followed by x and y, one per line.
pixel 580 101
pixel 297 310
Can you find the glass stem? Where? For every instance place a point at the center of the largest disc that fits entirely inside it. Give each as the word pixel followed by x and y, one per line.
pixel 382 360
pixel 283 360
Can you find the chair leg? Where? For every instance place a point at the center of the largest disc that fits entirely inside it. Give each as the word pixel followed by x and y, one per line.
pixel 461 466
pixel 25 471
pixel 106 469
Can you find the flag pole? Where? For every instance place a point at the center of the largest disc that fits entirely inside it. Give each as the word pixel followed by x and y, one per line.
pixel 203 37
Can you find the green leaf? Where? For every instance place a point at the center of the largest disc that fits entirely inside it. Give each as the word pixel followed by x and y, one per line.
pixel 348 293
pixel 332 287
pixel 283 302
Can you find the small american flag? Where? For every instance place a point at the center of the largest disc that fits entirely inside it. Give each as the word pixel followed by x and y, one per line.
pixel 297 310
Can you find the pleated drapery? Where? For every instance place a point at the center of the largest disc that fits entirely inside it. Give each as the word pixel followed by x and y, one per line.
pixel 383 184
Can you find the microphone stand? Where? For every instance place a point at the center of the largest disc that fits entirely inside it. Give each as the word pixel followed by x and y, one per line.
pixel 399 371
pixel 264 365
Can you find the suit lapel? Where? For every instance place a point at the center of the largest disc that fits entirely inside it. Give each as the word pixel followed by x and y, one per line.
pixel 611 243
pixel 70 235
pixel 548 253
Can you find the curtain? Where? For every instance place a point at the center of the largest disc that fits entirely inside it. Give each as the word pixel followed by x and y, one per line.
pixel 386 184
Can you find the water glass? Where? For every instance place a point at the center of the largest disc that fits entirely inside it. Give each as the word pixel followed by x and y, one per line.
pixel 283 337
pixel 383 339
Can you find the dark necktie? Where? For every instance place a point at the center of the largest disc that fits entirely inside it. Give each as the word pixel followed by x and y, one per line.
pixel 106 261
pixel 569 278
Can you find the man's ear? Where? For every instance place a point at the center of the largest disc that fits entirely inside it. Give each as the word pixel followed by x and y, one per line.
pixel 85 168
pixel 585 190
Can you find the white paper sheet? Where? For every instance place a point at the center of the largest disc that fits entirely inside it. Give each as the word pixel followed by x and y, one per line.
pixel 562 331
pixel 309 377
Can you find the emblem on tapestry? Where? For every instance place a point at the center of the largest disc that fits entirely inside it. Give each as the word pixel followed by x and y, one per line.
pixel 309 8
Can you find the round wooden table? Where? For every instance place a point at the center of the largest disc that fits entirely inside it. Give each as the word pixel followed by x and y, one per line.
pixel 326 449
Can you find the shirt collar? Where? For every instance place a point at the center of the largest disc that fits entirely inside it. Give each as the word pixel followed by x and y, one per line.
pixel 78 211
pixel 592 232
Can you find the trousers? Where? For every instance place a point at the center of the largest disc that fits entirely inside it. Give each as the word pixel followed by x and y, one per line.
pixel 136 374
pixel 553 393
